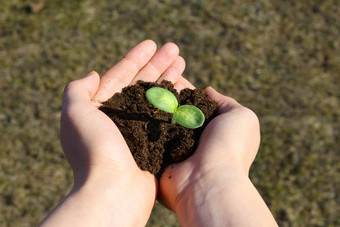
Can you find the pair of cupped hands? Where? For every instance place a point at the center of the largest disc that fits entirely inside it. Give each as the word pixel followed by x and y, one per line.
pixel 109 188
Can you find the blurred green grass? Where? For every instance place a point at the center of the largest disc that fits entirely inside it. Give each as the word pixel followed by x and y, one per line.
pixel 280 58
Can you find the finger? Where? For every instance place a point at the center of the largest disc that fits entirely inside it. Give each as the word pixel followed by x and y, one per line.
pixel 183 83
pixel 174 72
pixel 81 90
pixel 224 103
pixel 122 73
pixel 162 59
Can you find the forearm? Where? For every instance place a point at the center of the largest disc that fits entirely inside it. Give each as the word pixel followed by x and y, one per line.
pixel 102 202
pixel 237 203
pixel 81 208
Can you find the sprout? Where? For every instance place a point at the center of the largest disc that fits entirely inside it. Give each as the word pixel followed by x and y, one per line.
pixel 186 115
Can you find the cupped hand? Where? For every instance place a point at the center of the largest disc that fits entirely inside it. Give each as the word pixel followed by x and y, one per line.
pixel 228 145
pixel 212 188
pixel 89 138
pixel 107 182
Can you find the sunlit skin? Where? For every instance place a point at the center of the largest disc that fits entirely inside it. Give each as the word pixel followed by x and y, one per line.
pixel 211 188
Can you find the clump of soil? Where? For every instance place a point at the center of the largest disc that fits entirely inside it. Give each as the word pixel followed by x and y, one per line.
pixel 153 140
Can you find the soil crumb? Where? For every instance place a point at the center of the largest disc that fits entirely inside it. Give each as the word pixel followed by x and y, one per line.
pixel 154 141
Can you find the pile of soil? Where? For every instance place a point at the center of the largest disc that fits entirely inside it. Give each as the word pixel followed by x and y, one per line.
pixel 153 140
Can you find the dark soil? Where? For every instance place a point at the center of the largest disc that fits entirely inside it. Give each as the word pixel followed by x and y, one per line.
pixel 153 140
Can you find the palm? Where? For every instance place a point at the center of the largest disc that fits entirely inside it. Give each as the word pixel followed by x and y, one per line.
pixel 220 148
pixel 143 62
pixel 92 143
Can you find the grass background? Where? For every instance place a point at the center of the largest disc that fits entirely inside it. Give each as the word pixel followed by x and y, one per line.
pixel 280 58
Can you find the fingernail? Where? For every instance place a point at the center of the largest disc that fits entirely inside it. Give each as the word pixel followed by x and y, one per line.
pixel 91 73
pixel 97 103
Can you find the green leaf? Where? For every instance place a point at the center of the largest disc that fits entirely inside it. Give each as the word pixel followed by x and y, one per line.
pixel 189 116
pixel 163 99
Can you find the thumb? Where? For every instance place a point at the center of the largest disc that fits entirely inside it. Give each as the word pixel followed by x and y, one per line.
pixel 75 120
pixel 81 90
pixel 224 103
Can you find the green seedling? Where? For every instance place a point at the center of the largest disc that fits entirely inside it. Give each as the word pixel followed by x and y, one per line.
pixel 187 115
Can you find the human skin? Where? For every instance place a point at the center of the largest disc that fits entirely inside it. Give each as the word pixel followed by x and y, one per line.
pixel 109 188
pixel 211 188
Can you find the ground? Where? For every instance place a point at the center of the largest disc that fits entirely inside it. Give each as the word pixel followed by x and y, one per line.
pixel 279 58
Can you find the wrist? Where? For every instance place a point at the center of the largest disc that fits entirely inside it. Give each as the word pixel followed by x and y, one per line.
pixel 227 199
pixel 101 197
pixel 121 195
pixel 203 201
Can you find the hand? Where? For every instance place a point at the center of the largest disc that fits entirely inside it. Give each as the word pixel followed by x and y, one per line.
pixel 212 187
pixel 109 188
